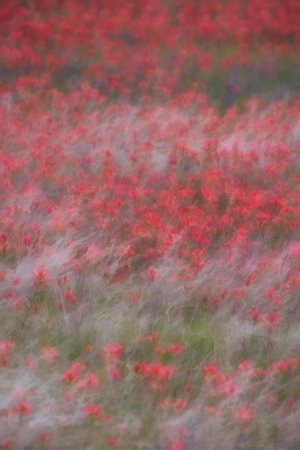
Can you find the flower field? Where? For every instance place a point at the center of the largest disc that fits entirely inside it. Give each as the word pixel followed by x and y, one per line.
pixel 149 225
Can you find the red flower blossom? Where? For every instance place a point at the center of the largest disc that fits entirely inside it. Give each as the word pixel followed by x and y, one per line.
pixel 210 370
pixel 92 410
pixel 273 318
pixel 112 440
pixel 114 372
pixel 89 381
pixel 155 371
pixel 5 349
pixel 69 296
pixel 159 350
pixel 176 444
pixel 281 366
pixel 152 337
pixel 23 408
pixel 44 436
pixel 69 376
pixel 40 277
pixel 244 414
pixel 50 353
pixel 112 353
pixel 255 315
pixel 176 349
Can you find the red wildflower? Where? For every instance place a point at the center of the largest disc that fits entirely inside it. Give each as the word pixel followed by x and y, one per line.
pixel 112 353
pixel 91 380
pixel 69 296
pixel 152 337
pixel 77 366
pixel 273 318
pixel 159 350
pixel 244 367
pixel 151 273
pixel 176 445
pixel 44 437
pixel 281 366
pixel 155 371
pixel 69 376
pixel 5 348
pixel 40 276
pixel 50 353
pixel 255 315
pixel 137 367
pixel 134 296
pixel 176 349
pixel 30 363
pixel 23 408
pixel 88 348
pixel 271 399
pixel 92 410
pixel 244 414
pixel 210 370
pixel 179 403
pixel 112 440
pixel 114 372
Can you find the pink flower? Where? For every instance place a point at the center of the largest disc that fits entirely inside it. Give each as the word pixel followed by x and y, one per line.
pixel 176 445
pixel 112 353
pixel 273 318
pixel 91 380
pixel 40 276
pixel 92 410
pixel 5 349
pixel 69 296
pixel 244 414
pixel 255 315
pixel 152 337
pixel 112 440
pixel 151 273
pixel 281 366
pixel 159 350
pixel 271 399
pixel 210 370
pixel 44 437
pixel 176 349
pixel 114 372
pixel 23 408
pixel 50 353
pixel 69 376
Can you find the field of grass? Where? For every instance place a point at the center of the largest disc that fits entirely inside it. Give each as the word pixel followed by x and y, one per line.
pixel 149 225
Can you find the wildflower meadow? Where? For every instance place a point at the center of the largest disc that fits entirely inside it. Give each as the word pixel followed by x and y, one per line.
pixel 150 225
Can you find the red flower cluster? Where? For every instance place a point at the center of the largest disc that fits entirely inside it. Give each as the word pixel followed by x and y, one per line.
pixel 155 371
